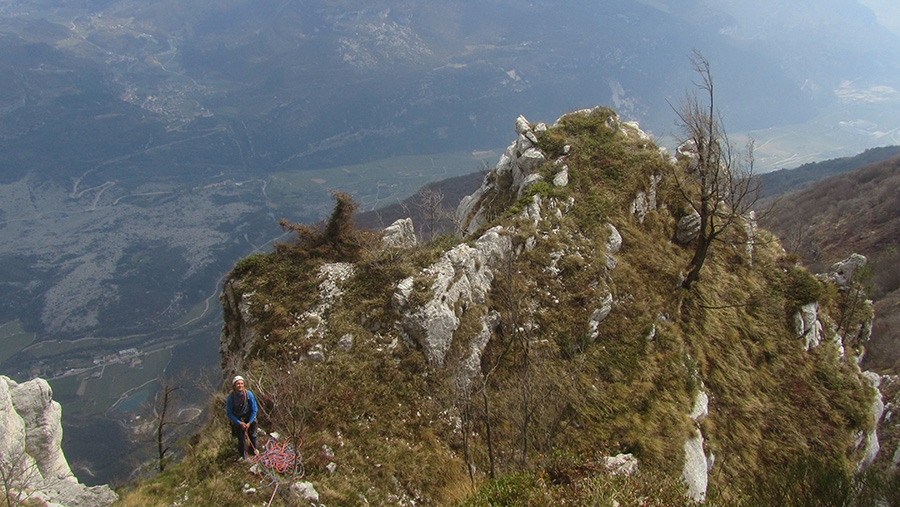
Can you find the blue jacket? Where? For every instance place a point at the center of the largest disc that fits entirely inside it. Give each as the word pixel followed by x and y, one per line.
pixel 238 413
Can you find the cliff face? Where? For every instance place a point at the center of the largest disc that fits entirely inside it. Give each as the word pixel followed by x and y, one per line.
pixel 557 329
pixel 31 457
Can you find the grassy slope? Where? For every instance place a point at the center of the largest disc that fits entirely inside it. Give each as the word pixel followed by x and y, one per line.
pixel 850 213
pixel 553 401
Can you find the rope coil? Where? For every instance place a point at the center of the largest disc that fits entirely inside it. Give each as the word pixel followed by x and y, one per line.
pixel 278 457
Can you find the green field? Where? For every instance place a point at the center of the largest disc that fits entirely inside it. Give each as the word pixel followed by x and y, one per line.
pixel 839 131
pixel 118 383
pixel 13 338
pixel 374 184
pixel 58 347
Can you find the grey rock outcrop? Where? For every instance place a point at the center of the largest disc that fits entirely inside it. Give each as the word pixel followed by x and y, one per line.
pixel 400 234
pixel 621 464
pixel 645 202
pixel 471 365
pixel 807 326
pixel 513 174
pixel 599 315
pixel 31 455
pixel 240 334
pixel 459 279
pixel 870 439
pixel 688 228
pixel 613 245
pixel 561 178
pixel 750 227
pixel 330 290
pixel 305 492
pixel 696 464
pixel 844 272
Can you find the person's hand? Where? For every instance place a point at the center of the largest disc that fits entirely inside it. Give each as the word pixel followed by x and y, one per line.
pixel 244 425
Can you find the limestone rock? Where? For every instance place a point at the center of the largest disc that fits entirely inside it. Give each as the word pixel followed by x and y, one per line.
pixel 529 180
pixel 514 172
pixel 12 439
pixel 645 202
pixel 613 245
pixel 750 227
pixel 33 401
pixel 561 178
pixel 701 407
pixel 688 228
pixel 621 464
pixel 460 278
pixel 346 342
pixel 30 448
pixel 400 234
pixel 843 273
pixel 533 209
pixel 695 473
pixel 69 492
pixel 471 365
pixel 330 291
pixel 305 491
pixel 807 326
pixel 872 447
pixel 640 206
pixel 599 315
pixel 316 353
pixel 614 242
pixel 240 332
pixel 633 128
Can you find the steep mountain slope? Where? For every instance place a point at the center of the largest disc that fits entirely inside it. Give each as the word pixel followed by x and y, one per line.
pixel 854 212
pixel 149 144
pixel 520 363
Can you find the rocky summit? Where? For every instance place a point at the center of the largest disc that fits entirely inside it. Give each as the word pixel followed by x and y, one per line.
pixel 547 353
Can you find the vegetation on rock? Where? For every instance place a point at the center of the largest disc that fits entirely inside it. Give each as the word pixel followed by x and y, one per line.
pixel 551 396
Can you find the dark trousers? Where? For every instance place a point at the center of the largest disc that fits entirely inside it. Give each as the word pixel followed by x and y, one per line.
pixel 237 431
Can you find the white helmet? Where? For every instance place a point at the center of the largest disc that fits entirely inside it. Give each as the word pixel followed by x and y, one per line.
pixel 236 378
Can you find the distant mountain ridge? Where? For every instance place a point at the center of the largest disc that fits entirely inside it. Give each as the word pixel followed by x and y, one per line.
pixel 790 180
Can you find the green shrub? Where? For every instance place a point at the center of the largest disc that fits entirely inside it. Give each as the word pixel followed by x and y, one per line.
pixel 801 288
pixel 515 490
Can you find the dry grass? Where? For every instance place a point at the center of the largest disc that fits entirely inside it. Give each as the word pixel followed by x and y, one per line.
pixel 550 399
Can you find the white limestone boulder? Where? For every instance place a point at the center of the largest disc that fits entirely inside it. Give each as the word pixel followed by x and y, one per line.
pixel 460 279
pixel 400 234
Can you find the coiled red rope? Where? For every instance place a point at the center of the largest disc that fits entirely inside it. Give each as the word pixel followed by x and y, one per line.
pixel 278 457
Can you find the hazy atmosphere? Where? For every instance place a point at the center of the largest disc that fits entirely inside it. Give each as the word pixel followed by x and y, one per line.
pixel 146 146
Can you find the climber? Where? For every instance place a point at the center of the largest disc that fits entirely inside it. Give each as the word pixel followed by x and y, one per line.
pixel 241 409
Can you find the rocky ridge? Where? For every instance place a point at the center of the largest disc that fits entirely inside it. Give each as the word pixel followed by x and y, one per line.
pixel 449 311
pixel 31 456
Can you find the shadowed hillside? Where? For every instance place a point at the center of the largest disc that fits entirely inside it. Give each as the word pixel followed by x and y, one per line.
pixel 790 180
pixel 855 212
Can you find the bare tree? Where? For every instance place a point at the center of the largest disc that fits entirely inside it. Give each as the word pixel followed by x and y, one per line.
pixel 727 186
pixel 430 204
pixel 164 401
pixel 295 398
pixel 18 473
